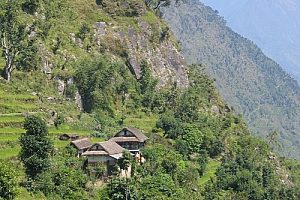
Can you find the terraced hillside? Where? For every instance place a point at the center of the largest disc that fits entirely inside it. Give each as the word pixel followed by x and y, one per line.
pixel 16 104
pixel 123 61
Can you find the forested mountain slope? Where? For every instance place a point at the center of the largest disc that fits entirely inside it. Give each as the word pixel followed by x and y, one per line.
pixel 252 83
pixel 93 67
pixel 273 25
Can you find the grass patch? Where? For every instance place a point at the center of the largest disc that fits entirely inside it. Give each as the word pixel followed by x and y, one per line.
pixel 13 134
pixel 9 138
pixel 16 107
pixel 11 130
pixel 127 22
pixel 11 114
pixel 150 18
pixel 19 97
pixel 210 171
pixel 23 194
pixel 9 152
pixel 142 121
pixel 11 118
pixel 95 140
pixel 60 143
pixel 62 131
pixel 11 121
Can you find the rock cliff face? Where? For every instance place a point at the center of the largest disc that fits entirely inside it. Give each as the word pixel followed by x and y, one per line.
pixel 125 31
pixel 150 41
pixel 168 65
pixel 130 38
pixel 139 44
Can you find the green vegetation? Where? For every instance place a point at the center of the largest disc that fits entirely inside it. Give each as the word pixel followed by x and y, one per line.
pixel 249 81
pixel 35 147
pixel 209 172
pixel 197 146
pixel 9 152
pixel 8 182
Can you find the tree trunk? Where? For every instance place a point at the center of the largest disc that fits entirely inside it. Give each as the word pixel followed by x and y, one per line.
pixel 8 69
pixel 7 74
pixel 159 3
pixel 10 53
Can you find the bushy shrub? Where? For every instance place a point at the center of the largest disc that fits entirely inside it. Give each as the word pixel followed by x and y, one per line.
pixel 8 182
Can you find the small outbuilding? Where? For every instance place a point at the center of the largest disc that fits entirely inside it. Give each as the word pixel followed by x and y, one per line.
pixel 82 145
pixel 68 136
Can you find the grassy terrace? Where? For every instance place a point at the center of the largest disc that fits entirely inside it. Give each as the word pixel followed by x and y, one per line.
pixel 9 152
pixel 210 171
pixel 17 107
pixel 19 97
pixel 12 134
pixel 143 122
pixel 11 118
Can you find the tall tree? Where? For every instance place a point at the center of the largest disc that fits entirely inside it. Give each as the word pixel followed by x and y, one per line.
pixel 35 147
pixel 147 85
pixel 12 34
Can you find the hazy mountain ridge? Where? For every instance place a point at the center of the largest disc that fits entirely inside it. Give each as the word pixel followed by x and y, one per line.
pixel 253 84
pixel 272 25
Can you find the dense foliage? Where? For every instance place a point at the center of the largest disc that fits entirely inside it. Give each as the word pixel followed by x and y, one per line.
pixel 197 148
pixel 12 35
pixel 101 83
pixel 36 147
pixel 65 178
pixel 253 84
pixel 8 182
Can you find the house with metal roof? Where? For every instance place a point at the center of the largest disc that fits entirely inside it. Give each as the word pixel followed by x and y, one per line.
pixel 81 145
pixel 107 153
pixel 131 139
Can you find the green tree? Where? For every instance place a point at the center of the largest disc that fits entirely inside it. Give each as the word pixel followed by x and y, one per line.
pixel 65 176
pixel 35 147
pixel 173 127
pixel 189 105
pixel 202 160
pixel 147 85
pixel 102 83
pixel 30 6
pixel 246 171
pixel 59 120
pixel 159 186
pixel 28 58
pixel 125 162
pixel 8 182
pixel 122 189
pixel 12 35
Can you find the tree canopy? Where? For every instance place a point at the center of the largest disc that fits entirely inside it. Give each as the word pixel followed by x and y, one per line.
pixel 36 147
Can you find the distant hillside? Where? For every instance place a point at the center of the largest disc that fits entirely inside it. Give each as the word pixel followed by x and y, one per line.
pixel 252 83
pixel 273 25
